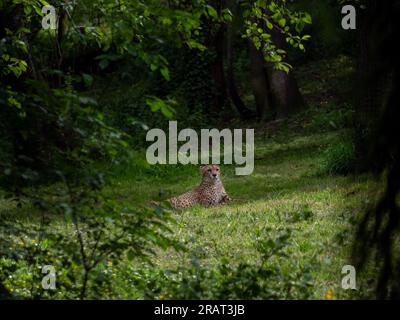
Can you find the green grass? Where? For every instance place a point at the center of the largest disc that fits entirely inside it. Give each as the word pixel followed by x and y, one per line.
pixel 289 188
pixel 286 190
pixel 286 183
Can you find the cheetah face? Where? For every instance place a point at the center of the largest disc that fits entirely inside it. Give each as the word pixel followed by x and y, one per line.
pixel 211 172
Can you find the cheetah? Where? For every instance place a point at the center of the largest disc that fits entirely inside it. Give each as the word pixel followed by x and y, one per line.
pixel 210 192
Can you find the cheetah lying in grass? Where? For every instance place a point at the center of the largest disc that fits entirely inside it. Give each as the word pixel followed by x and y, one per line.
pixel 210 191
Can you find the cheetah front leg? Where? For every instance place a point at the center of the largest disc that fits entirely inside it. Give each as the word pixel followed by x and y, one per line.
pixel 225 198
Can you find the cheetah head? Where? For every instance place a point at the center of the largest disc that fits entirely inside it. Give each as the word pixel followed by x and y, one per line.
pixel 211 172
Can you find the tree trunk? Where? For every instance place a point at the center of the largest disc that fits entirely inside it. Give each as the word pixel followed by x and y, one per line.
pixel 259 82
pixel 285 91
pixel 244 112
pixel 372 84
pixel 221 92
pixel 376 242
pixel 215 43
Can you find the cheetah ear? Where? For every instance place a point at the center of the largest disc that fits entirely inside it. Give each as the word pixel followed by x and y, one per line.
pixel 203 168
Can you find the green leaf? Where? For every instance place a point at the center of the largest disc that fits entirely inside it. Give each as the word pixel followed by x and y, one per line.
pixel 227 18
pixel 87 79
pixel 266 36
pixel 212 12
pixel 165 73
pixel 154 103
pixel 38 10
pixel 282 22
pixel 167 111
pixel 157 104
pixel 27 10
pixel 307 18
pixel 195 45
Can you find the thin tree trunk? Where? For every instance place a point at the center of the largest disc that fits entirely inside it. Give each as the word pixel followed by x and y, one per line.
pixel 221 91
pixel 372 84
pixel 285 91
pixel 244 112
pixel 259 81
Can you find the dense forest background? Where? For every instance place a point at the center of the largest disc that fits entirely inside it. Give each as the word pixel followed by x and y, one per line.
pixel 76 102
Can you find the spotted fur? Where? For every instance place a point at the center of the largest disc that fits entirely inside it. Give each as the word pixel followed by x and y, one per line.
pixel 210 192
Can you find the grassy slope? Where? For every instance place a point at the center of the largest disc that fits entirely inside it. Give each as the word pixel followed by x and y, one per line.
pixel 287 182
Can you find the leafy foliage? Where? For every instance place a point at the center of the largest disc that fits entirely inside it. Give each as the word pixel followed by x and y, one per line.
pixel 271 278
pixel 262 18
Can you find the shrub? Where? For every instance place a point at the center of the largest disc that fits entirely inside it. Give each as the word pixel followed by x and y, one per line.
pixel 332 119
pixel 339 158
